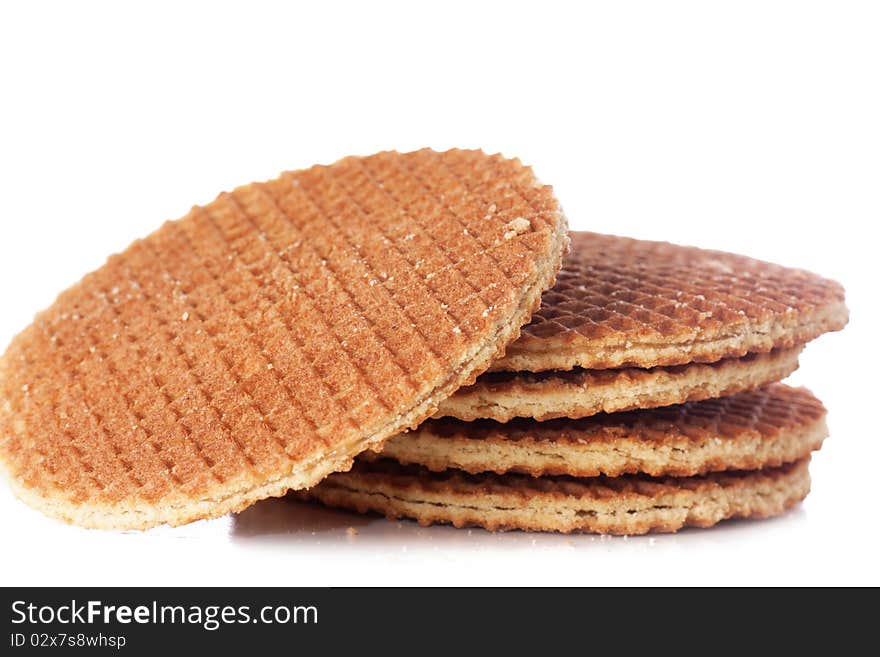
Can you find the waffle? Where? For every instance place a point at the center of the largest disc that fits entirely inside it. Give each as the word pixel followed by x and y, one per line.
pixel 631 504
pixel 752 430
pixel 579 393
pixel 621 302
pixel 263 340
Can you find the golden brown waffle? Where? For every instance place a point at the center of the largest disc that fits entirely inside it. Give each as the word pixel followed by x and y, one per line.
pixel 266 338
pixel 620 302
pixel 631 504
pixel 579 393
pixel 752 430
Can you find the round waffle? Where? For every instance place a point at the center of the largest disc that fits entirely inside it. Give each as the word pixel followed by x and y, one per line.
pixel 621 302
pixel 263 340
pixel 630 504
pixel 579 393
pixel 748 431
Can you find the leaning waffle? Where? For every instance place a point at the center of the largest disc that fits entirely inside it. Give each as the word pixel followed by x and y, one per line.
pixel 620 302
pixel 262 341
pixel 579 393
pixel 630 504
pixel 752 430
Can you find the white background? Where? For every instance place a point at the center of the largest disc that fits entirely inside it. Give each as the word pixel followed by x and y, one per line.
pixel 748 126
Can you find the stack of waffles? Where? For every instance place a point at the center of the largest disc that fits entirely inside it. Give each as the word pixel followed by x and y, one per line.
pixel 643 396
pixel 263 341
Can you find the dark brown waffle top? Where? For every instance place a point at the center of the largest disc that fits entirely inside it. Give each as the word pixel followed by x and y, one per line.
pixel 624 302
pixel 384 474
pixel 768 412
pixel 748 431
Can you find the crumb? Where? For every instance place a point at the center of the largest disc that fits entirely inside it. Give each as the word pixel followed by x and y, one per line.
pixel 516 227
pixel 456 330
pixel 184 316
pixel 351 531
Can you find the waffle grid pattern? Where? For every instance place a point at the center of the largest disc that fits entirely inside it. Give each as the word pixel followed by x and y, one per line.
pixel 747 431
pixel 282 323
pixel 767 411
pixel 622 302
pixel 385 472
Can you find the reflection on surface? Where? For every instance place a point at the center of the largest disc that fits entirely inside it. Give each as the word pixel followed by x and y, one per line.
pixel 287 516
